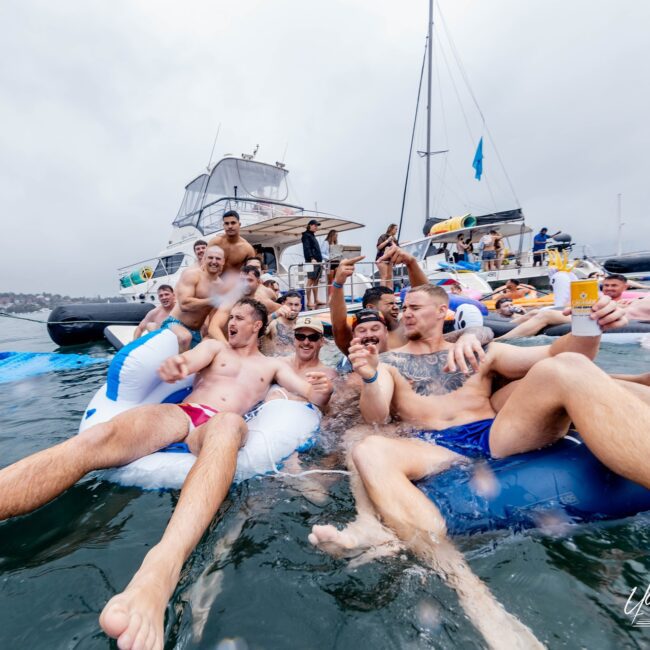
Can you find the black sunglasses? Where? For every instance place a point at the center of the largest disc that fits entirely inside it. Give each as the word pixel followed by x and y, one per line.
pixel 312 337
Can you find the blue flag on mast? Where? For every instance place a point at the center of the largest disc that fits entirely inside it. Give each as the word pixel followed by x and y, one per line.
pixel 478 160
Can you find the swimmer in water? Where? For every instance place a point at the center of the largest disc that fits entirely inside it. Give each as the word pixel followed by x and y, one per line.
pixel 453 411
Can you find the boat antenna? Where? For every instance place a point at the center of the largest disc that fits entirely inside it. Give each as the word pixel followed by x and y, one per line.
pixel 284 155
pixel 214 144
pixel 415 121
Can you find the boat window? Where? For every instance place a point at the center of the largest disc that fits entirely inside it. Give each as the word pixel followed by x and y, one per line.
pixel 168 265
pixel 246 179
pixel 192 202
pixel 417 249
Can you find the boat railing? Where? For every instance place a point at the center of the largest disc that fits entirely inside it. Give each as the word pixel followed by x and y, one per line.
pixel 364 277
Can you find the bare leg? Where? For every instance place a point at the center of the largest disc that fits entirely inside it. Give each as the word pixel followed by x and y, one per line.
pixel 366 531
pixel 135 617
pixel 611 419
pixel 537 323
pixel 387 468
pixel 39 478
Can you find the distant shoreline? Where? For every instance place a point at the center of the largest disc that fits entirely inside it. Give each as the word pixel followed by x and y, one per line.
pixel 26 303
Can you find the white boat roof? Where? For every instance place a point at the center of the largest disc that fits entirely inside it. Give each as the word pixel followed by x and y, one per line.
pixel 505 228
pixel 291 227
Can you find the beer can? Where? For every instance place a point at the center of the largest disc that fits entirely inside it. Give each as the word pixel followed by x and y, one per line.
pixel 584 295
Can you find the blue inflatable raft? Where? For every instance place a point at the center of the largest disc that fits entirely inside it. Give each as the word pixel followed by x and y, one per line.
pixel 16 366
pixel 564 483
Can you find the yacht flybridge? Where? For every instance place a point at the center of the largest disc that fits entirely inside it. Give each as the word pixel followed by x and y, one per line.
pixel 271 219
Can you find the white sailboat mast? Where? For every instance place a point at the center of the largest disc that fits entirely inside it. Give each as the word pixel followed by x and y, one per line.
pixel 429 77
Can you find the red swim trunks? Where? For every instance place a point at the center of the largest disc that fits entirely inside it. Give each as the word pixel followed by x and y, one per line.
pixel 197 414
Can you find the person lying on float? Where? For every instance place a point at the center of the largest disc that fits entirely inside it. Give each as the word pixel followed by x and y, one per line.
pixel 454 418
pixel 230 378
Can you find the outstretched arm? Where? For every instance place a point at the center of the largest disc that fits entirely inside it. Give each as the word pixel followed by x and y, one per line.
pixel 149 318
pixel 180 366
pixel 377 393
pixel 514 362
pixel 338 310
pixel 317 388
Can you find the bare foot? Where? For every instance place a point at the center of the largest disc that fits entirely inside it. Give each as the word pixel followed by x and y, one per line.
pixel 136 616
pixel 339 543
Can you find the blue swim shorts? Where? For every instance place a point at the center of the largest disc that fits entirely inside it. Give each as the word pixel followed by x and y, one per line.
pixel 196 334
pixel 472 439
pixel 489 255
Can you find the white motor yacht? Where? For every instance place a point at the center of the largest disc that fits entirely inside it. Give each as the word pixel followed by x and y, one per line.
pixel 271 219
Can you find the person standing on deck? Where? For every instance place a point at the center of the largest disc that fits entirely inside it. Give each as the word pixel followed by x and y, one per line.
pixel 539 245
pixel 313 255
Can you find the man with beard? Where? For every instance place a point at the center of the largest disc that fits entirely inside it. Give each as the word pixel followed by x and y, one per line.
pixel 235 247
pixel 154 318
pixel 455 419
pixel 384 301
pixel 280 332
pixel 230 378
pixel 380 298
pixel 308 339
pixel 195 296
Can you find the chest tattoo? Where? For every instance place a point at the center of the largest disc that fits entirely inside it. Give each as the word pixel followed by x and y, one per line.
pixel 424 372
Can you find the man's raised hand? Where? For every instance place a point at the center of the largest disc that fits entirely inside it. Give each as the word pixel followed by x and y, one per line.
pixel 396 255
pixel 346 269
pixel 173 369
pixel 364 358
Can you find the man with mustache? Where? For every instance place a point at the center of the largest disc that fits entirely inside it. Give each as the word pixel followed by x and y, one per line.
pixel 455 419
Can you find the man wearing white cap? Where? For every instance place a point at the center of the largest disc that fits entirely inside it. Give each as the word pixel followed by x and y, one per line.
pixel 309 338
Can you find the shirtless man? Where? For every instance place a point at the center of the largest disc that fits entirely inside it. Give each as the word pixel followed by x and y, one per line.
pixel 514 289
pixel 235 247
pixel 251 278
pixel 279 334
pixel 308 339
pixel 457 419
pixel 263 293
pixel 195 292
pixel 154 318
pixel 380 298
pixel 230 379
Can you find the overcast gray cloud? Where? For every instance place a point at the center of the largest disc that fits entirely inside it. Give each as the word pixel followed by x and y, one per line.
pixel 108 110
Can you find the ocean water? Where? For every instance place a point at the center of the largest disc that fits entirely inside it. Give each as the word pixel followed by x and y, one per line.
pixel 255 578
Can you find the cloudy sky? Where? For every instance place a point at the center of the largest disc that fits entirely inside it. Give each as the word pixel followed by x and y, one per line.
pixel 109 108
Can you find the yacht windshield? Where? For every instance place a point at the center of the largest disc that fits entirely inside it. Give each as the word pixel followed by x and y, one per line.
pixel 192 201
pixel 246 179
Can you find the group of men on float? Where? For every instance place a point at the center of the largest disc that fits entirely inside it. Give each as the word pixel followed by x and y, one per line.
pixel 418 402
